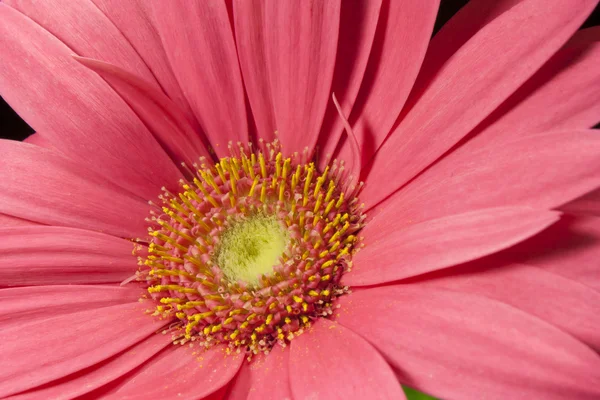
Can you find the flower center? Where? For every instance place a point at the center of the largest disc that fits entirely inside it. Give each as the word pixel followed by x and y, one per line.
pixel 251 249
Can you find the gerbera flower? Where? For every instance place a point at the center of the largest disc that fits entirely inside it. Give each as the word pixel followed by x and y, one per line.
pixel 464 267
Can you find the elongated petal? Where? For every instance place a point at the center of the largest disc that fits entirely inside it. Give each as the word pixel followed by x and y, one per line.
pixel 563 94
pixel 567 304
pixel 401 40
pixel 50 255
pixel 87 31
pixel 471 84
pixel 199 43
pixel 267 376
pixel 330 361
pixel 42 186
pixel 77 111
pixel 100 374
pixel 457 345
pixel 570 248
pixel 404 251
pixel 539 171
pixel 7 221
pixel 22 305
pixel 165 120
pixel 295 43
pixel 134 20
pixel 358 23
pixel 50 349
pixel 180 372
pixel 588 204
pixel 39 140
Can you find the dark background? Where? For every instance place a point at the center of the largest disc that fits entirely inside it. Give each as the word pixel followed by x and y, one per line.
pixel 13 127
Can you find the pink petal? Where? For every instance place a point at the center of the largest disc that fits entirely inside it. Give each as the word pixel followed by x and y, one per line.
pixel 588 204
pixel 401 40
pixel 100 374
pixel 457 345
pixel 331 362
pixel 265 377
pixel 563 94
pixel 22 305
pixel 51 255
pixel 199 43
pixel 570 248
pixel 567 304
pixel 295 45
pixel 7 221
pixel 162 117
pixel 394 251
pixel 92 124
pixel 539 171
pixel 43 186
pixel 471 84
pixel 39 140
pixel 134 20
pixel 358 22
pixel 84 339
pixel 87 31
pixel 180 372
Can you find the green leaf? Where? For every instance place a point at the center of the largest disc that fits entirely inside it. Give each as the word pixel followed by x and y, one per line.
pixel 412 394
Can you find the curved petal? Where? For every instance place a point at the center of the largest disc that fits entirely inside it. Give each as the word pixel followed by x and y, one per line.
pixel 43 186
pixel 394 252
pixel 458 345
pixel 103 373
pixel 87 31
pixel 77 111
pixel 563 94
pixel 265 377
pixel 570 248
pixel 39 140
pixel 134 20
pixel 7 221
pixel 51 255
pixel 198 40
pixel 401 40
pixel 289 83
pixel 588 204
pixel 24 305
pixel 540 171
pixel 180 372
pixel 162 117
pixel 472 83
pixel 567 304
pixel 358 23
pixel 84 339
pixel 330 361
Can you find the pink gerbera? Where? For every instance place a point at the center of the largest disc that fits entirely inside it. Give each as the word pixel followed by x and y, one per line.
pixel 190 219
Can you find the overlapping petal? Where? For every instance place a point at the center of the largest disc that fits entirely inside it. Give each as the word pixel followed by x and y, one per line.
pixel 324 365
pixel 66 344
pixel 267 376
pixel 289 81
pixel 396 252
pixel 455 345
pixel 179 372
pixel 475 80
pixel 52 255
pixel 507 173
pixel 199 44
pixel 43 186
pixel 93 125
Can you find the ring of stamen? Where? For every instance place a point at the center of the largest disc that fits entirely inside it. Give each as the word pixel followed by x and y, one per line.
pixel 251 249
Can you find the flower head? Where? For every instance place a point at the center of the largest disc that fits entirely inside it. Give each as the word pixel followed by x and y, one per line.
pixel 198 216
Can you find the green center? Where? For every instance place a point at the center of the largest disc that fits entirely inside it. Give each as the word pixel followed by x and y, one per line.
pixel 251 247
